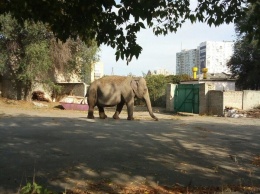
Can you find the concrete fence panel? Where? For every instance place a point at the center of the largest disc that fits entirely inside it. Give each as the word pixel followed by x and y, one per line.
pixel 215 102
pixel 233 99
pixel 251 99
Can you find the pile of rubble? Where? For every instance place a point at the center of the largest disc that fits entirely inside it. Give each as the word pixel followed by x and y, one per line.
pixel 233 112
pixel 238 113
pixel 40 96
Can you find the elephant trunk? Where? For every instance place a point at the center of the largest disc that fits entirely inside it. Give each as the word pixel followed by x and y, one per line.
pixel 149 106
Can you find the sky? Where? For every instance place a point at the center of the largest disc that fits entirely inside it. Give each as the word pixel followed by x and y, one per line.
pixel 159 52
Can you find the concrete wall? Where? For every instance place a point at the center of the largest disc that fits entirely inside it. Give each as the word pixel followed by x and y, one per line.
pixel 74 89
pixel 244 100
pixel 7 90
pixel 203 97
pixel 251 99
pixel 218 100
pixel 233 99
pixel 224 85
pixel 170 97
pixel 215 102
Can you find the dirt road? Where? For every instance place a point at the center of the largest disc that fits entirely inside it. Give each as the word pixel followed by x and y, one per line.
pixel 63 149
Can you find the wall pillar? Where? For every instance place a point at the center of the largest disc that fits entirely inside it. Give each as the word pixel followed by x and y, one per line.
pixel 203 97
pixel 170 97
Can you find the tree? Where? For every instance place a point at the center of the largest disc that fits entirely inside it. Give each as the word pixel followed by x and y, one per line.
pixel 249 25
pixel 157 86
pixel 245 62
pixel 116 23
pixel 73 57
pixel 24 53
pixel 245 65
pixel 176 79
pixel 30 54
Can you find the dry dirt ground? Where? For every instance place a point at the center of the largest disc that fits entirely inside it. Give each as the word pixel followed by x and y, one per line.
pixel 44 106
pixel 34 105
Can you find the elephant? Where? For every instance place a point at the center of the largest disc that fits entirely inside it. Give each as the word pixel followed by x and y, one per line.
pixel 117 91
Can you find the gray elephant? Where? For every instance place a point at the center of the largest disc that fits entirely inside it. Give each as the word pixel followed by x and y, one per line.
pixel 117 91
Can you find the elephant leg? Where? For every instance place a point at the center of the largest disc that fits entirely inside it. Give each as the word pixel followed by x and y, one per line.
pixel 102 114
pixel 119 108
pixel 130 109
pixel 91 103
pixel 91 112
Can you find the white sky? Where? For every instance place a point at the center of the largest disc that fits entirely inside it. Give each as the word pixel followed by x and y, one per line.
pixel 160 52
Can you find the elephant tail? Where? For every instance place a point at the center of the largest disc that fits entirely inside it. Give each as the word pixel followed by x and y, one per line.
pixel 91 94
pixel 87 93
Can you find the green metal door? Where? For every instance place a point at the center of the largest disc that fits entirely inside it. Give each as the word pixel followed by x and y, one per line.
pixel 186 98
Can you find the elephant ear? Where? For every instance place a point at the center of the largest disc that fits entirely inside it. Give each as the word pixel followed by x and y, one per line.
pixel 134 85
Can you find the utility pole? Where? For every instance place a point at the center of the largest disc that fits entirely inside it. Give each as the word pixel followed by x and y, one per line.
pixel 112 73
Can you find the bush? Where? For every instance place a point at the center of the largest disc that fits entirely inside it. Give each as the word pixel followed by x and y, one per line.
pixel 157 89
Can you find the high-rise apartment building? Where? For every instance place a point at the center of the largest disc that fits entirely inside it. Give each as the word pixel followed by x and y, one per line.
pixel 215 55
pixel 185 60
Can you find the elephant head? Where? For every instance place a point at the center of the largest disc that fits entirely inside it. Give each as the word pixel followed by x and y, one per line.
pixel 141 91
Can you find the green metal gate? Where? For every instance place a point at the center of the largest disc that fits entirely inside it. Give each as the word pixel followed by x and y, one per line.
pixel 186 98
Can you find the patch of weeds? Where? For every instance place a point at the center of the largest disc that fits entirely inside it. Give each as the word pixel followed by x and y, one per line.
pixel 34 188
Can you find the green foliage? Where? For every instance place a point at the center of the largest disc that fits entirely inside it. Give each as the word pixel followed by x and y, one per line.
pixel 156 86
pixel 36 62
pixel 245 65
pixel 116 23
pixel 25 53
pixel 87 55
pixel 74 57
pixel 249 25
pixel 245 62
pixel 34 189
pixel 176 79
pixel 30 54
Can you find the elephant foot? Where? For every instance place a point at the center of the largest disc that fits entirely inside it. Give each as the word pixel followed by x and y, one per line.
pixel 115 116
pixel 130 118
pixel 102 116
pixel 90 114
pixel 90 117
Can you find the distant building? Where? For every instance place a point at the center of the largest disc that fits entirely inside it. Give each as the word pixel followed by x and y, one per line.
pixel 215 55
pixel 162 72
pixel 185 60
pixel 159 72
pixel 97 71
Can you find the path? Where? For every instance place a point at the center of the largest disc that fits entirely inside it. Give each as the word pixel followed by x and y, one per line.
pixel 63 149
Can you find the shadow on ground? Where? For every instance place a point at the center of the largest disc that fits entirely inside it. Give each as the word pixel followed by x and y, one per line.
pixel 63 152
